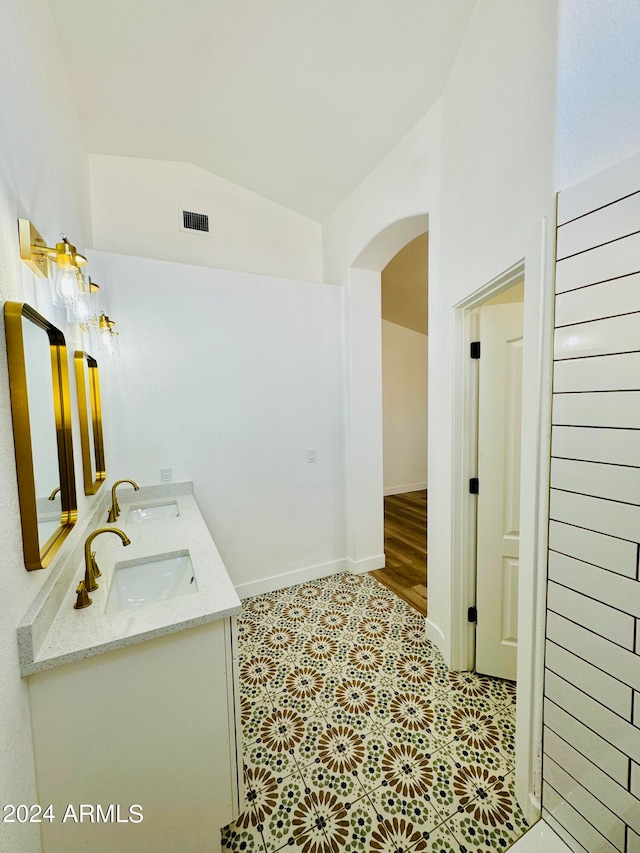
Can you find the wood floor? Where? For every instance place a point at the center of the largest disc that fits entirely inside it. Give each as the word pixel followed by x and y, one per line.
pixel 405 547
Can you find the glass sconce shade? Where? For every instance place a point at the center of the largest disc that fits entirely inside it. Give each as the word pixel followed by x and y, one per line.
pixel 81 309
pixel 106 334
pixel 65 286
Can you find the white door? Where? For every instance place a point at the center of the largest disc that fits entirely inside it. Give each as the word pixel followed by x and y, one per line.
pixel 498 517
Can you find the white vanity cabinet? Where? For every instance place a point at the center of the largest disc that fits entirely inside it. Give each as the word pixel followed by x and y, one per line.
pixel 152 724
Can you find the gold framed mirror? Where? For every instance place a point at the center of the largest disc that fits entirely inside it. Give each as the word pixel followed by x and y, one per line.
pixel 41 412
pixel 90 409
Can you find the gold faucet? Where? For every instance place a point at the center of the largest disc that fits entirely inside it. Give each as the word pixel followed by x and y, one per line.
pixel 114 509
pixel 91 570
pixel 53 494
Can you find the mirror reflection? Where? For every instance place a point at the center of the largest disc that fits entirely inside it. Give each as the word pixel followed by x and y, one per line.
pixel 44 445
pixel 40 405
pixel 90 410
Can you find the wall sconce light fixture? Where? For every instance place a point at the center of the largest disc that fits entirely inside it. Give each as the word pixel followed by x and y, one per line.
pixel 36 254
pixel 70 288
pixel 85 308
pixel 108 337
pixel 66 260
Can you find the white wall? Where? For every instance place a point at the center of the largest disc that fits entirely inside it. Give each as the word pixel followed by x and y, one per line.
pixel 137 209
pixel 496 184
pixel 481 165
pixel 43 176
pixel 403 185
pixel 598 91
pixel 404 405
pixel 229 379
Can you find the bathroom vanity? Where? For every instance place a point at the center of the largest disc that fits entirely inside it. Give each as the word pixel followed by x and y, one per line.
pixel 133 700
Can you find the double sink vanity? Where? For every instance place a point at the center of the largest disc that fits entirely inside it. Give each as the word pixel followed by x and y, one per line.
pixel 129 652
pixel 133 698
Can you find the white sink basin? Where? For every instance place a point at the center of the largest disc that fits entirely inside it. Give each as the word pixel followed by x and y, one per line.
pixel 150 580
pixel 153 512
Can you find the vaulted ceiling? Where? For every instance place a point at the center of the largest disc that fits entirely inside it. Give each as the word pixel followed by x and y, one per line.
pixel 296 100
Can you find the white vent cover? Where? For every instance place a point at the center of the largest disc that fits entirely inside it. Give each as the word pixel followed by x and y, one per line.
pixel 192 221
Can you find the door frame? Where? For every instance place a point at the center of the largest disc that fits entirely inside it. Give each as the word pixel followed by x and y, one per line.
pixel 532 255
pixel 466 461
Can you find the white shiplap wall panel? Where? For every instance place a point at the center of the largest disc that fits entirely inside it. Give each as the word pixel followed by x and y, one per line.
pixel 556 808
pixel 597 750
pixel 609 299
pixel 612 589
pixel 606 552
pixel 591 793
pixel 592 681
pixel 609 517
pixel 613 796
pixel 622 409
pixel 614 482
pixel 598 337
pixel 602 226
pixel 613 446
pixel 601 373
pixel 601 264
pixel 601 818
pixel 607 622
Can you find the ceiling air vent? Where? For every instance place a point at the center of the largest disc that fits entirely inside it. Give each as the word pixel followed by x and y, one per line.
pixel 195 221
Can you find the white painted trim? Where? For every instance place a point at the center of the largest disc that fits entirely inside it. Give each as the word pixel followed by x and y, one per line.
pixel 434 633
pixel 363 391
pixel 402 490
pixel 465 465
pixel 296 576
pixel 534 248
pixel 368 564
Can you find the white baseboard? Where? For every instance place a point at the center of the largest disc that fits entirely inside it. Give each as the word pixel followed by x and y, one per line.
pixel 434 633
pixel 359 567
pixel 309 573
pixel 401 490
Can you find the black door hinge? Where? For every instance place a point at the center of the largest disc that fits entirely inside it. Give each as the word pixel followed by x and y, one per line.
pixel 472 614
pixel 474 486
pixel 475 349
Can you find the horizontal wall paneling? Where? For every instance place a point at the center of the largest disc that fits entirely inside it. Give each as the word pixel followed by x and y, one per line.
pixel 591 788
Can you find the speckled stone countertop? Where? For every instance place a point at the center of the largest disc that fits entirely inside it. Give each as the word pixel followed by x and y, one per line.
pixel 52 633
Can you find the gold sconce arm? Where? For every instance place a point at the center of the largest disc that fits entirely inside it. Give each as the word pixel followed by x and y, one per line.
pixel 36 254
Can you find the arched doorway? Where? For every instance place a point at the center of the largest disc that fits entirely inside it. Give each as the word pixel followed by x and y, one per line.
pixel 363 344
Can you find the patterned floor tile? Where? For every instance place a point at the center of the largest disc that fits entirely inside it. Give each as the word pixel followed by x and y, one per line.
pixel 357 737
pixel 338 715
pixel 306 750
pixel 252 715
pixel 441 792
pixel 237 838
pixel 278 828
pixel 370 774
pixel 505 721
pixel 424 741
pixel 281 764
pixel 264 672
pixel 491 822
pixel 303 681
pixel 388 805
pixel 350 829
pixel 442 841
pixel 346 786
pixel 481 692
